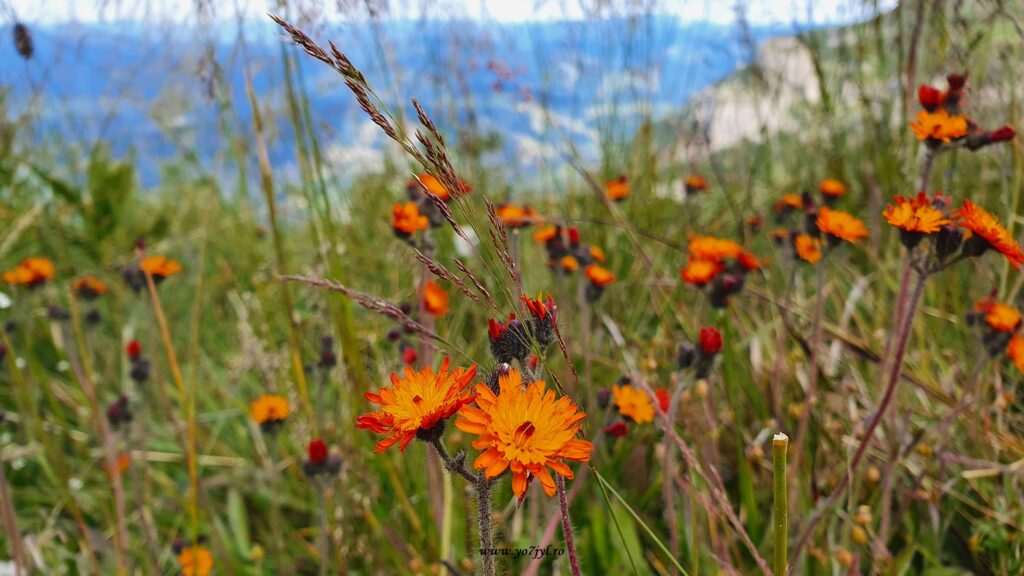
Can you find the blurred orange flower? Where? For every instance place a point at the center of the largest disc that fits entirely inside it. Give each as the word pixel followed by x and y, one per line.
pixel 89 287
pixel 808 248
pixel 195 561
pixel 713 249
pixel 633 403
pixel 598 275
pixel 159 267
pixel 938 125
pixel 516 216
pixel 435 299
pixel 617 189
pixel 406 219
pixel 695 183
pixel 840 225
pixel 525 430
pixel 545 234
pixel 269 408
pixel 1015 350
pixel 700 272
pixel 31 272
pixel 832 187
pixel 788 202
pixel 569 263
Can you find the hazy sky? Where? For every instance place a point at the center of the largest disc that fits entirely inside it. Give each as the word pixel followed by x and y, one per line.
pixel 723 11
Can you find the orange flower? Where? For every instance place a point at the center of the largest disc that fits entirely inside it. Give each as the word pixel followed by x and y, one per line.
pixel 788 202
pixel 195 561
pixel 269 409
pixel 985 226
pixel 435 299
pixel 1015 350
pixel 915 215
pixel 406 219
pixel 416 404
pixel 525 430
pixel 695 183
pixel 633 404
pixel 617 189
pixel 31 272
pixel 89 287
pixel 598 275
pixel 808 248
pixel 546 234
pixel 597 254
pixel 159 267
pixel 749 262
pixel 840 225
pixel 700 272
pixel 939 125
pixel 713 249
pixel 832 187
pixel 515 216
pixel 434 186
pixel 569 264
pixel 1000 317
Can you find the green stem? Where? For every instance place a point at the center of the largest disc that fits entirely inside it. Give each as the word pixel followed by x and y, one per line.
pixel 781 518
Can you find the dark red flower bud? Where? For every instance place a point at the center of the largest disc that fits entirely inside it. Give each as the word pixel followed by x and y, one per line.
pixel 317 451
pixel 134 349
pixel 618 429
pixel 664 399
pixel 533 362
pixel 929 97
pixel 1003 134
pixel 574 236
pixel 409 355
pixel 710 341
pixel 956 81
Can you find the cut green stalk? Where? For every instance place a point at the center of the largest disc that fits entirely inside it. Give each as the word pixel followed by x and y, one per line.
pixel 780 444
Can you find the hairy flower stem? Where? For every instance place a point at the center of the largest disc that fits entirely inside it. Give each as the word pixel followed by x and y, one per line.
pixel 453 465
pixel 570 545
pixel 780 520
pixel 323 546
pixel 489 561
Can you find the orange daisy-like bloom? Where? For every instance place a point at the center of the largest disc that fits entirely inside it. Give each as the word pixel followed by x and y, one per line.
pixel 406 219
pixel 545 234
pixel 939 125
pixel 1015 350
pixel 597 254
pixel 915 214
pixel 700 272
pixel 832 187
pixel 195 561
pixel 416 403
pixel 569 263
pixel 633 403
pixel 840 225
pixel 808 248
pixel 516 216
pixel 89 287
pixel 159 267
pixel 1002 318
pixel 435 299
pixel 599 275
pixel 617 189
pixel 788 202
pixel 31 272
pixel 713 249
pixel 269 409
pixel 695 183
pixel 525 430
pixel 985 226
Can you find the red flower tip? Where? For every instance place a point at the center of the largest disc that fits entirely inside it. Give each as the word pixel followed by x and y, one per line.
pixel 1003 134
pixel 663 399
pixel 956 82
pixel 710 341
pixel 534 360
pixel 134 349
pixel 574 235
pixel 317 451
pixel 618 429
pixel 409 355
pixel 541 307
pixel 929 97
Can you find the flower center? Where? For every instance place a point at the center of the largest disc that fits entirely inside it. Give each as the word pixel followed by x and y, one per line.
pixel 523 433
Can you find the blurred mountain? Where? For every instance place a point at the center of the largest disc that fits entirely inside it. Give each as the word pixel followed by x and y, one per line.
pixel 523 91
